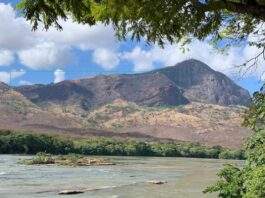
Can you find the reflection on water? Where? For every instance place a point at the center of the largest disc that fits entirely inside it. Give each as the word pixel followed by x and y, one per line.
pixel 185 178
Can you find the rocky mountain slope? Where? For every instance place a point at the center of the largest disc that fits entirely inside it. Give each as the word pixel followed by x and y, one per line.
pixel 188 81
pixel 202 84
pixel 196 122
pixel 188 101
pixel 17 112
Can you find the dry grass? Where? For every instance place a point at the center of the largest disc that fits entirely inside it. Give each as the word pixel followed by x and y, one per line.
pixel 205 123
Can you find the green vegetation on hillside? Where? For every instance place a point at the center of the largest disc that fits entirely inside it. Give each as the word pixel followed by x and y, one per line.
pixel 32 143
pixel 248 182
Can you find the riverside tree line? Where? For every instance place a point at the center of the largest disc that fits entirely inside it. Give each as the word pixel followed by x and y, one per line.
pixel 32 143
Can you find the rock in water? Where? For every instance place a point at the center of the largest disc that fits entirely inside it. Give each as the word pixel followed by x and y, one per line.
pixel 70 192
pixel 73 192
pixel 155 182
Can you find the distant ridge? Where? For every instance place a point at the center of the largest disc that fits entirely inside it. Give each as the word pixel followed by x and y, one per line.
pixel 187 81
pixel 187 102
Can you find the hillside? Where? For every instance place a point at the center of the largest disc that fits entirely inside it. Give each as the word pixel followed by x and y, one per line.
pixel 197 122
pixel 186 82
pixel 188 102
pixel 202 84
pixel 17 112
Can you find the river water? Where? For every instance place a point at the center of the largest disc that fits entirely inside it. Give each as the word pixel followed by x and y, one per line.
pixel 185 177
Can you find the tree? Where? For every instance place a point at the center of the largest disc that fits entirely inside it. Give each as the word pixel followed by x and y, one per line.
pixel 255 115
pixel 248 182
pixel 160 21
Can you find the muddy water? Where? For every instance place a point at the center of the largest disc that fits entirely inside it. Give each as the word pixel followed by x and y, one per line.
pixel 185 178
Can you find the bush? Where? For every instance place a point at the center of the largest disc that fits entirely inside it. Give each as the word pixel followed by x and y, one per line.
pixel 248 182
pixel 40 158
pixel 30 143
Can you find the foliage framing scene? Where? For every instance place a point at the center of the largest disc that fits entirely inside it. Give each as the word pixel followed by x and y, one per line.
pixel 132 98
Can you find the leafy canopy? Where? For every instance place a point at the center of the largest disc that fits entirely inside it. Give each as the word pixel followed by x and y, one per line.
pixel 157 21
pixel 255 114
pixel 248 182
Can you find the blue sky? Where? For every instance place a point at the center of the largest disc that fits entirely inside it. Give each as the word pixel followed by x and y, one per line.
pixel 81 51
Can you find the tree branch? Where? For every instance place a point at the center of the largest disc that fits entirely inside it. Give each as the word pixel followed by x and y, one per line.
pixel 251 64
pixel 251 7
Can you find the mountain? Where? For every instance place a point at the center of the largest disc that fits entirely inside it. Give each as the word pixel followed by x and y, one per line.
pixel 17 112
pixel 196 122
pixel 186 82
pixel 202 84
pixel 3 87
pixel 188 102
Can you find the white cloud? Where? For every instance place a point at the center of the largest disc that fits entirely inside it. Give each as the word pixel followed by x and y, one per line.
pixel 25 82
pixel 5 77
pixel 15 32
pixel 46 49
pixel 59 75
pixel 81 36
pixel 17 73
pixel 142 60
pixel 106 58
pixel 44 56
pixel 6 58
pixel 8 77
pixel 172 54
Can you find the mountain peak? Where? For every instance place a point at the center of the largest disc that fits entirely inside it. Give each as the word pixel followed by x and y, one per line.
pixel 193 63
pixel 203 84
pixel 187 81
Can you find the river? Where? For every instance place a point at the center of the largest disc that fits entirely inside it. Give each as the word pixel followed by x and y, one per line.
pixel 185 177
